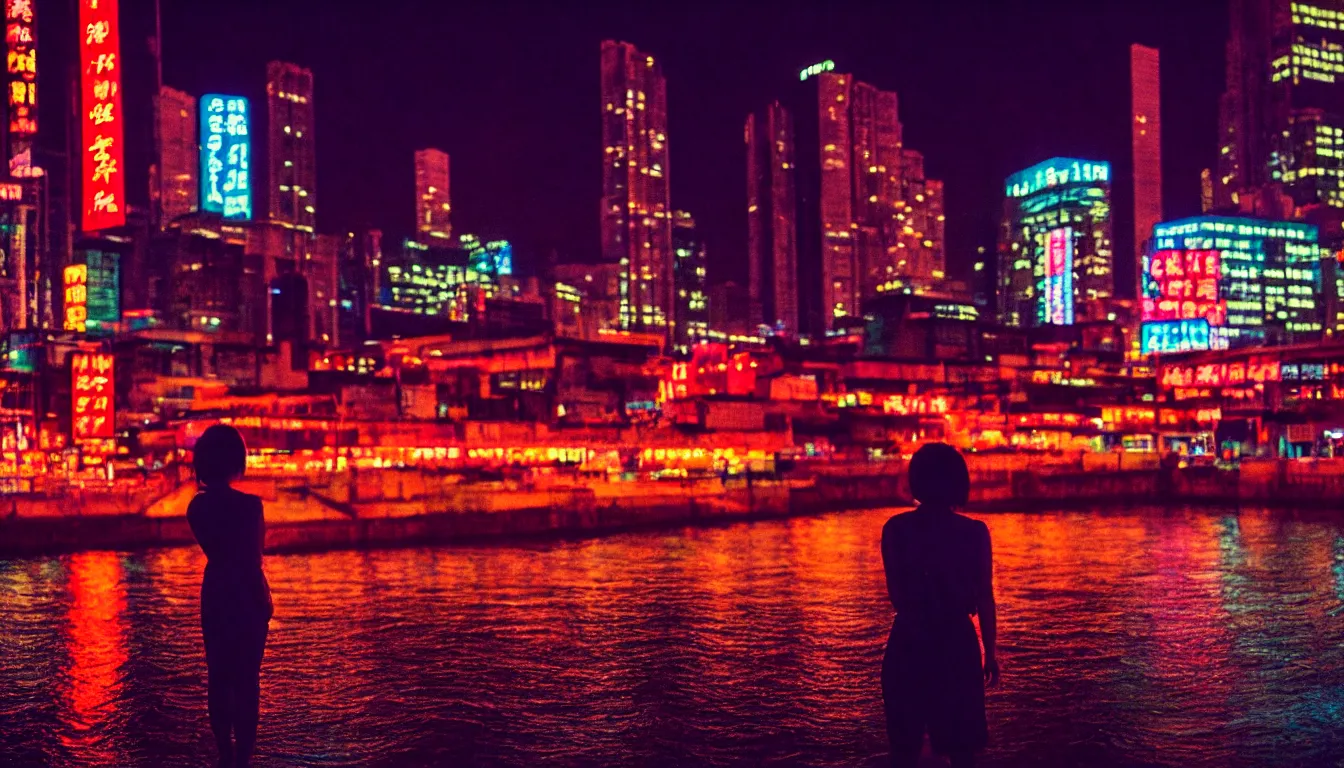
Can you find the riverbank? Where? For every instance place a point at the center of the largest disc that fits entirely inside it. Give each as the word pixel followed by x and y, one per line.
pixel 405 508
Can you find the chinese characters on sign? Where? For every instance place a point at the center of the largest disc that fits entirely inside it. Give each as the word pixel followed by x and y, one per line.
pixel 1183 285
pixel 21 49
pixel 1212 376
pixel 1056 172
pixel 104 187
pixel 905 405
pixel 76 297
pixel 1058 288
pixel 91 389
pixel 225 185
pixel 1175 336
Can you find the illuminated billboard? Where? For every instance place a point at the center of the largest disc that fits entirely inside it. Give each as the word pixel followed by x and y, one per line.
pixel 1057 288
pixel 104 187
pixel 226 186
pixel 92 388
pixel 21 48
pixel 103 270
pixel 76 283
pixel 1169 336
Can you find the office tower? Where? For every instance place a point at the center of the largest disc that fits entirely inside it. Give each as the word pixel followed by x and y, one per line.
pixel 432 204
pixel 636 215
pixel 292 155
pixel 1055 260
pixel 178 184
pixel 1146 141
pixel 772 208
pixel 1219 282
pixel 832 191
pixel 1281 116
pixel 689 270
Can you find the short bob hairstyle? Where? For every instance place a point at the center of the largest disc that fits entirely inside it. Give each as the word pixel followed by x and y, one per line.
pixel 938 476
pixel 220 456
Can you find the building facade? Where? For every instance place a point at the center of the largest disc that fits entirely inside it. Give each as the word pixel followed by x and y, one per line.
pixel 433 206
pixel 1216 282
pixel 292 156
pixel 772 228
pixel 1281 116
pixel 689 268
pixel 635 209
pixel 1145 99
pixel 1055 258
pixel 179 185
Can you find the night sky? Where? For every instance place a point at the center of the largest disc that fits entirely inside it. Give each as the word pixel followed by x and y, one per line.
pixel 511 92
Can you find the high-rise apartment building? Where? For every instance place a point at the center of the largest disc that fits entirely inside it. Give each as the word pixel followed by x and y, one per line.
pixel 1145 99
pixel 179 158
pixel 433 207
pixel 292 151
pixel 837 209
pixel 636 214
pixel 692 300
pixel 1055 260
pixel 1281 116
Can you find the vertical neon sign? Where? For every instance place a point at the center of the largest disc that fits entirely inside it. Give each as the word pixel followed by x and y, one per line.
pixel 21 69
pixel 92 387
pixel 1058 287
pixel 226 186
pixel 104 187
pixel 76 279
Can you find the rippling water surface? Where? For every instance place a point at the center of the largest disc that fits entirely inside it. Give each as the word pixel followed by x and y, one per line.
pixel 1144 638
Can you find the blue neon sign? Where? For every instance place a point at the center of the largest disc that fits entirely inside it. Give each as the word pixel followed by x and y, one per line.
pixel 226 186
pixel 1168 336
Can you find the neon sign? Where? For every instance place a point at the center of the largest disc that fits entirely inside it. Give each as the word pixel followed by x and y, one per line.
pixel 92 387
pixel 905 405
pixel 226 188
pixel 1175 336
pixel 104 188
pixel 1058 288
pixel 816 69
pixel 1055 172
pixel 76 281
pixel 21 66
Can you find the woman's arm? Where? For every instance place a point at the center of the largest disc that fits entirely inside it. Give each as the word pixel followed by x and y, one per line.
pixel 889 566
pixel 987 609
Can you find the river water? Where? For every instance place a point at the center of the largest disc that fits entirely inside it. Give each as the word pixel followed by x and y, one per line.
pixel 1138 638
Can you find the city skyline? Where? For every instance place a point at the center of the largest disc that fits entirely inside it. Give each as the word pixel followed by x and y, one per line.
pixel 363 175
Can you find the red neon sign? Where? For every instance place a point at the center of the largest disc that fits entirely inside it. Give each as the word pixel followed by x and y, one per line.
pixel 104 187
pixel 21 76
pixel 91 391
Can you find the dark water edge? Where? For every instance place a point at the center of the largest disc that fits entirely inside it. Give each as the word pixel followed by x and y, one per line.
pixel 1141 637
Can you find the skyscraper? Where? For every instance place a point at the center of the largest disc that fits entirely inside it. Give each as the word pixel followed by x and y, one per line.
pixel 772 229
pixel 178 183
pixel 689 267
pixel 1281 115
pixel 432 204
pixel 1055 261
pixel 837 209
pixel 635 212
pixel 1146 141
pixel 292 155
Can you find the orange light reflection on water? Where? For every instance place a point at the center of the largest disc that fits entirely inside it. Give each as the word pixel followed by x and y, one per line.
pixel 96 649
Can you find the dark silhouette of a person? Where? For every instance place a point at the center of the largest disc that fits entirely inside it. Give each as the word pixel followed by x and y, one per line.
pixel 939 572
pixel 235 598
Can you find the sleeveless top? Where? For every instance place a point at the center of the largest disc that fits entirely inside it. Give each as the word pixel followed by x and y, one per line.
pixel 229 526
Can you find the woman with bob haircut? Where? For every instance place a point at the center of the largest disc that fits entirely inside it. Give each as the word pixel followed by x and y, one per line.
pixel 235 598
pixel 939 572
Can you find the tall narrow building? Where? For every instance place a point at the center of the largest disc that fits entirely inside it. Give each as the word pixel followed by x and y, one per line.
pixel 292 153
pixel 433 206
pixel 635 212
pixel 179 158
pixel 1281 116
pixel 1145 98
pixel 692 300
pixel 772 229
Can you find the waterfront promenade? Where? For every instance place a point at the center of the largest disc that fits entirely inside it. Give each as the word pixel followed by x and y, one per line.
pixel 400 507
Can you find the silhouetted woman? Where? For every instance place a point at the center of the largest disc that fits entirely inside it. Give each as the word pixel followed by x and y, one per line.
pixel 939 572
pixel 235 598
